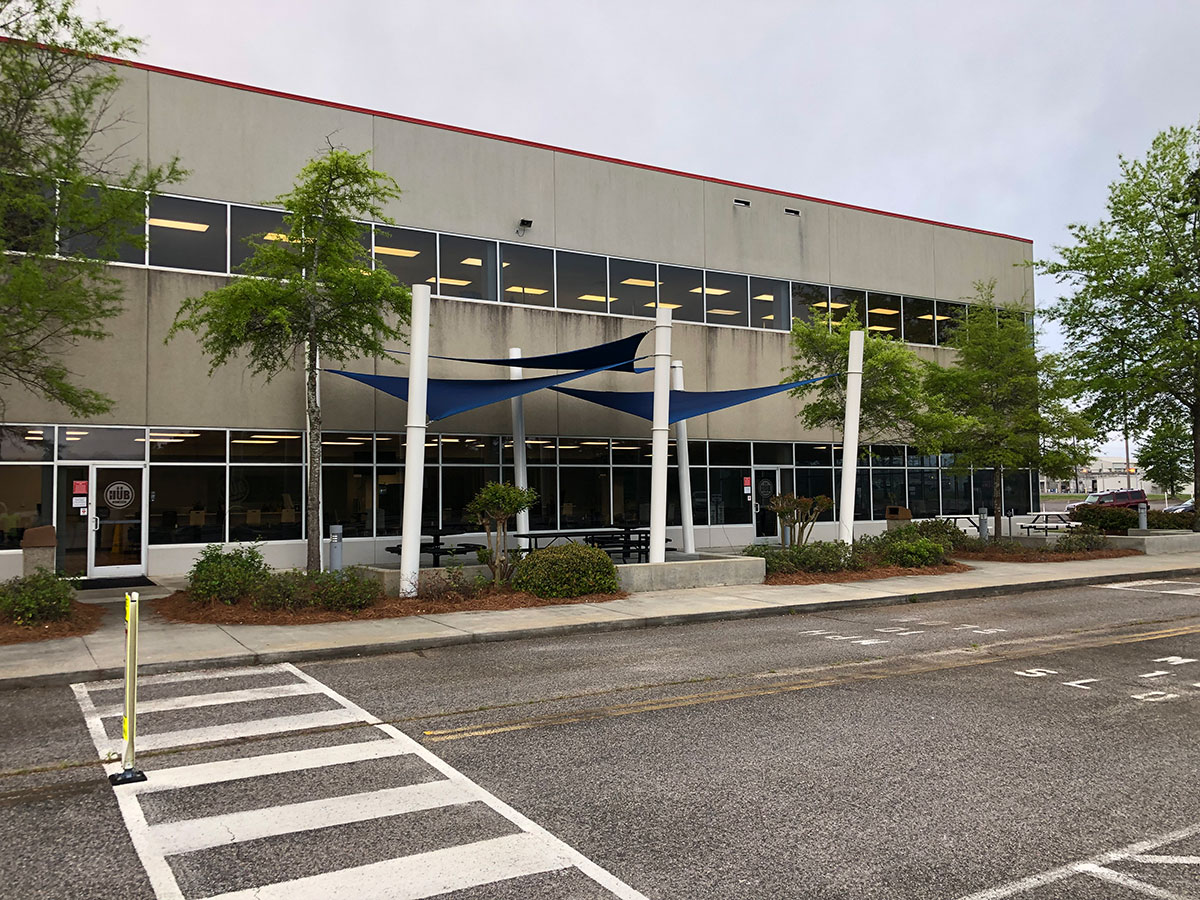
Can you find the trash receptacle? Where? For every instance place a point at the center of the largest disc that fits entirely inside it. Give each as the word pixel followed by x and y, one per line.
pixel 38 548
pixel 897 516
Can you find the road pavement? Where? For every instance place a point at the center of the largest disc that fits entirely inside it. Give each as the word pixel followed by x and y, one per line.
pixel 1038 745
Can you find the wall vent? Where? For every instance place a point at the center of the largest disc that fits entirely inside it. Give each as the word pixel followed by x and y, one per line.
pixel 788 211
pixel 738 201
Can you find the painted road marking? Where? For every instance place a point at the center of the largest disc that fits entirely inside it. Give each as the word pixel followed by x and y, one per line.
pixel 1174 660
pixel 531 851
pixel 250 695
pixel 1081 683
pixel 1157 674
pixel 1035 673
pixel 1128 881
pixel 1088 867
pixel 1166 860
pixel 1185 588
pixel 1154 696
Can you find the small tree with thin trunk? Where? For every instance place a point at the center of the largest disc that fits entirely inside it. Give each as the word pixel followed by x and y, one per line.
pixel 492 507
pixel 1166 456
pixel 798 515
pixel 311 293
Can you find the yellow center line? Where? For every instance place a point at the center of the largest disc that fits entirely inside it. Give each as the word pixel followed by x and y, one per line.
pixel 874 672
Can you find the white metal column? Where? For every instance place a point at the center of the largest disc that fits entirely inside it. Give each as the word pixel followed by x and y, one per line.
pixel 659 431
pixel 520 471
pixel 414 445
pixel 685 474
pixel 850 438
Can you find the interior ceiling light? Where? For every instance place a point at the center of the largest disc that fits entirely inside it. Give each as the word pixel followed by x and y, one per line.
pixel 596 298
pixel 535 441
pixel 448 440
pixel 517 289
pixel 251 441
pixel 568 446
pixel 663 305
pixel 594 443
pixel 35 431
pixel 396 251
pixel 471 261
pixel 618 447
pixel 769 298
pixel 72 439
pixel 883 311
pixel 639 282
pixel 274 236
pixel 174 434
pixel 881 328
pixel 723 312
pixel 931 317
pixel 716 292
pixel 76 432
pixel 770 318
pixel 342 443
pixel 34 437
pixel 457 282
pixel 277 437
pixel 182 226
pixel 161 440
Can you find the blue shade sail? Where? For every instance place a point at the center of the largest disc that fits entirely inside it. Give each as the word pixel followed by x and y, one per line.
pixel 449 396
pixel 684 404
pixel 616 355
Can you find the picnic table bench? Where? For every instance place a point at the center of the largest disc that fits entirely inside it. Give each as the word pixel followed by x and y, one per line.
pixel 625 540
pixel 1046 522
pixel 437 548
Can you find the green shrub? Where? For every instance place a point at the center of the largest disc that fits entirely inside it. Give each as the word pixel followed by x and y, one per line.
pixel 350 590
pixel 1156 518
pixel 40 597
pixel 566 570
pixel 949 535
pixel 914 552
pixel 819 556
pixel 1078 539
pixel 1108 519
pixel 227 577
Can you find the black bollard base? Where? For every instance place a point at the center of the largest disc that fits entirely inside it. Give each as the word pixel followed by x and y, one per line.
pixel 129 776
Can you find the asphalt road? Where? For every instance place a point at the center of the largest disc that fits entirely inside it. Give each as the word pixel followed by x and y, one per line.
pixel 1038 746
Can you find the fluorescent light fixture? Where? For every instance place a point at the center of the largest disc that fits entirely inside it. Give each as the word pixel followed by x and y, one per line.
pixel 277 437
pixel 536 441
pixel 723 312
pixel 76 432
pixel 181 226
pixel 456 282
pixel 568 446
pixel 396 251
pixel 594 443
pixel 619 447
pixel 883 311
pixel 471 261
pixel 427 444
pixel 161 440
pixel 716 292
pixel 639 282
pixel 663 305
pixel 274 236
pixel 72 439
pixel 38 437
pixel 174 434
pixel 449 440
pixel 251 441
pixel 517 289
pixel 595 298
pixel 769 298
pixel 343 443
pixel 930 317
pixel 881 328
pixel 830 305
pixel 770 318
pixel 35 431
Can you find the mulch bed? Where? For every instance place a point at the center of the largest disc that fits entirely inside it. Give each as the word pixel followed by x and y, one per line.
pixel 1032 554
pixel 84 619
pixel 862 574
pixel 179 607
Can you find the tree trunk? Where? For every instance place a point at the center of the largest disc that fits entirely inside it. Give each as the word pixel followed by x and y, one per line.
pixel 312 508
pixel 1195 461
pixel 997 500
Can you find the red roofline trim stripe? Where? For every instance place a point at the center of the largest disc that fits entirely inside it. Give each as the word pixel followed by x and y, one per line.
pixel 221 82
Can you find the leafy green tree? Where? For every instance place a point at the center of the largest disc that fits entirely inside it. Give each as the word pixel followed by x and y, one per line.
pixel 894 406
pixel 1011 411
pixel 1131 319
pixel 66 206
pixel 492 507
pixel 1165 455
pixel 311 294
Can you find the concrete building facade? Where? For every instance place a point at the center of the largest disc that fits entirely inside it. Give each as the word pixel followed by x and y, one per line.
pixel 199 458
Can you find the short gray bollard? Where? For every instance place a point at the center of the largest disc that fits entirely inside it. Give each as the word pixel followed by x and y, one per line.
pixel 335 548
pixel 983 523
pixel 1142 508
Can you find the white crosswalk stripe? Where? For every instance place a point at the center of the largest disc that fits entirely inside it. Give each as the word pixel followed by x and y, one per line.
pixel 163 846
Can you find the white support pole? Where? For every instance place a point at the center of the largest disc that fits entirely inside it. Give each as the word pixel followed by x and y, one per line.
pixel 520 472
pixel 850 438
pixel 685 474
pixel 130 773
pixel 659 431
pixel 414 445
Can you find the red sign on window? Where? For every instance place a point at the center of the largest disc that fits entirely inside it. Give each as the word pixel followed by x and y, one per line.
pixel 78 487
pixel 745 482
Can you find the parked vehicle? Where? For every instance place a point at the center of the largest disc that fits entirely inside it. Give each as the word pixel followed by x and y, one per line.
pixel 1110 498
pixel 1186 506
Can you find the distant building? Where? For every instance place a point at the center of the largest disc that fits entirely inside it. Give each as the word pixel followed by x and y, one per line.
pixel 1104 473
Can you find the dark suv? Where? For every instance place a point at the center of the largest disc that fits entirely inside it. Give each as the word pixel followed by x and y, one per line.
pixel 1111 498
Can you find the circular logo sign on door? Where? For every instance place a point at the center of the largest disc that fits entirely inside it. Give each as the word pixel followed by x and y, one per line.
pixel 766 489
pixel 118 495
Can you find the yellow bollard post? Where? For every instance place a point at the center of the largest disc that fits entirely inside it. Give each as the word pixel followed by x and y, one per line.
pixel 131 773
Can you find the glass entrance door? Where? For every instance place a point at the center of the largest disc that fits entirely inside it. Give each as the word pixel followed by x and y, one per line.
pixel 766 486
pixel 116 504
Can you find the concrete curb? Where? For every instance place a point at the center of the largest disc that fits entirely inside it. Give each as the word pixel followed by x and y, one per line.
pixel 381 648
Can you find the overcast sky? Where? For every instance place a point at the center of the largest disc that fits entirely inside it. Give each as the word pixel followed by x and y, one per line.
pixel 1007 116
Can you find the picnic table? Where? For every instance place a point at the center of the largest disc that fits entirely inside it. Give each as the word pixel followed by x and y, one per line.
pixel 959 520
pixel 433 544
pixel 1046 522
pixel 625 540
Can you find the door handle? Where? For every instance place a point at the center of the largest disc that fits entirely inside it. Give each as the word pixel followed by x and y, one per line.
pixel 95 523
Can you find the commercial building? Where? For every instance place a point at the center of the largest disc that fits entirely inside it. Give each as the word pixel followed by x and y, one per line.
pixel 525 245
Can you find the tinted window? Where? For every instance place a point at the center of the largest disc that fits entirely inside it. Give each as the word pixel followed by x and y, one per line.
pixel 949 316
pixel 26 443
pixel 841 300
pixel 769 304
pixel 634 287
pixel 582 282
pixel 725 298
pixel 188 234
pixel 883 315
pixel 807 299
pixel 468 268
pixel 918 320
pixel 84 218
pixel 527 275
pixel 249 227
pixel 186 445
pixel 680 290
pixel 266 446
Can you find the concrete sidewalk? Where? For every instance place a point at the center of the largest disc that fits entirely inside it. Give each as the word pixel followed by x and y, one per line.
pixel 167 646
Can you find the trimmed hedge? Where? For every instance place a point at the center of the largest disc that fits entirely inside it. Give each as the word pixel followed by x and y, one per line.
pixel 241 575
pixel 1085 537
pixel 223 576
pixel 910 547
pixel 566 570
pixel 40 597
pixel 1118 519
